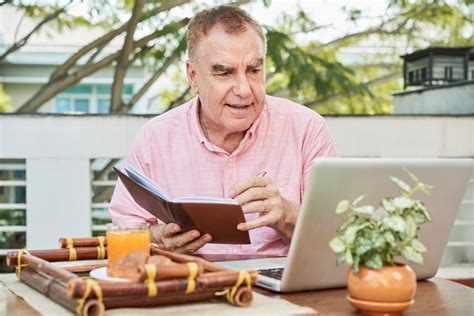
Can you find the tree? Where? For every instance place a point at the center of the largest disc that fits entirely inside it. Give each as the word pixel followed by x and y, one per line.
pixel 313 75
pixel 310 73
pixel 5 101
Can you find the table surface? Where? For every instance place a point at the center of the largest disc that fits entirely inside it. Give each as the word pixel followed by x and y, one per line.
pixel 433 297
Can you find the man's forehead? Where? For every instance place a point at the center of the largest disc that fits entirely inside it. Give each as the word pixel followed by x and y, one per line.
pixel 224 63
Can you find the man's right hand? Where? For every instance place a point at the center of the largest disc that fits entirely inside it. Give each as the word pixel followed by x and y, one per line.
pixel 169 237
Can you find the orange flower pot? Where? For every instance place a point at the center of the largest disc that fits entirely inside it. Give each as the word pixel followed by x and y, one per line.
pixel 388 290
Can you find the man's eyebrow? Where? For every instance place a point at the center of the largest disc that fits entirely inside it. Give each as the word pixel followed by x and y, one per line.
pixel 257 64
pixel 220 68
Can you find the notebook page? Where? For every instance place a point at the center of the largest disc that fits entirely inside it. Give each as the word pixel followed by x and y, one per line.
pixel 146 182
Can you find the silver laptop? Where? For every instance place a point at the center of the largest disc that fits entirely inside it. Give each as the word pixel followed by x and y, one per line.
pixel 312 265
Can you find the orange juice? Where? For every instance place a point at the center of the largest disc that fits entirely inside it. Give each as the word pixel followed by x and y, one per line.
pixel 122 241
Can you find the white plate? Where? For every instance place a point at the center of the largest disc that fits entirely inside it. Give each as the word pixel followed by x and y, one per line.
pixel 101 274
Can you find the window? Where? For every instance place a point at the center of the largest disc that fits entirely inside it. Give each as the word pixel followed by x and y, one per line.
pixel 81 105
pixel 448 72
pixel 102 186
pixel 103 105
pixel 12 204
pixel 62 105
pixel 88 98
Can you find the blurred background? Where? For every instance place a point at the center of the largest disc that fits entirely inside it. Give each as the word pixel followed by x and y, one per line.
pixel 394 78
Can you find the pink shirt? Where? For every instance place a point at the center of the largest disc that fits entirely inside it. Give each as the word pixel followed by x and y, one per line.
pixel 172 150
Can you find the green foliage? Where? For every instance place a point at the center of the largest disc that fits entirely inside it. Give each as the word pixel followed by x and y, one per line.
pixel 365 87
pixel 299 65
pixel 5 101
pixel 375 240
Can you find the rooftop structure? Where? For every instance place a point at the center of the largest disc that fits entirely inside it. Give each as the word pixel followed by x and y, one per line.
pixel 438 66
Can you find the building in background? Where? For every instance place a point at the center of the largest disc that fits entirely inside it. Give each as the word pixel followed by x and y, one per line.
pixel 25 71
pixel 443 78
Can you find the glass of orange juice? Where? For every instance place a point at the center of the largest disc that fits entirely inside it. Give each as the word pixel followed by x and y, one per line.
pixel 125 238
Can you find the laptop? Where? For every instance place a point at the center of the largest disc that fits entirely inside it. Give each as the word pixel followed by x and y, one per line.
pixel 311 264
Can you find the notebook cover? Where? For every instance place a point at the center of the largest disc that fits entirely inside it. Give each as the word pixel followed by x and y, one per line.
pixel 220 220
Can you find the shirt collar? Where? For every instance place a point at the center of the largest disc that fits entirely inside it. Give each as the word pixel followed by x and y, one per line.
pixel 195 121
pixel 250 134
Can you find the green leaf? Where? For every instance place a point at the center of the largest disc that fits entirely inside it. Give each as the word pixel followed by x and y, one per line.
pixel 359 199
pixel 356 266
pixel 403 202
pixel 343 206
pixel 379 241
pixel 374 262
pixel 411 227
pixel 418 245
pixel 388 205
pixel 349 221
pixel 350 234
pixel 425 188
pixel 341 258
pixel 389 238
pixel 364 247
pixel 402 185
pixel 412 176
pixel 426 213
pixel 337 245
pixel 367 209
pixel 395 222
pixel 411 254
pixel 419 217
pixel 349 258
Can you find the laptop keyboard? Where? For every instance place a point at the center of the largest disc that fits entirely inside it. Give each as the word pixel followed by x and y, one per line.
pixel 272 273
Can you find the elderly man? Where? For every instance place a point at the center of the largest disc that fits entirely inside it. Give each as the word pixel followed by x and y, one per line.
pixel 216 144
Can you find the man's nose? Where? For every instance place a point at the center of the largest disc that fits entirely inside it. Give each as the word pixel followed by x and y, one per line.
pixel 242 87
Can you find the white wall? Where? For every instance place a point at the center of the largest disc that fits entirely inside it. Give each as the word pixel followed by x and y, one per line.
pixel 448 100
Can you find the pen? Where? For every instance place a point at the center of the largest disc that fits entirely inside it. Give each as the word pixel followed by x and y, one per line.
pixel 262 174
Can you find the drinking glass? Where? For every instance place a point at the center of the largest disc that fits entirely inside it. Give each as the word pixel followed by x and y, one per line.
pixel 123 239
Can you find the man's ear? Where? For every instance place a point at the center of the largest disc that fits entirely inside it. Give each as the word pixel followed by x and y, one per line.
pixel 191 74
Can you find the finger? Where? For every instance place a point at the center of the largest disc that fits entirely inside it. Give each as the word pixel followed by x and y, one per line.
pixel 254 207
pixel 169 230
pixel 195 245
pixel 265 220
pixel 249 183
pixel 253 194
pixel 181 239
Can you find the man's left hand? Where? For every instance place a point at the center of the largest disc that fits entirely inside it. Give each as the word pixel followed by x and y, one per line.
pixel 259 194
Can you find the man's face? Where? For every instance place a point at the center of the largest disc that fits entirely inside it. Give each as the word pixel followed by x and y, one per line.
pixel 227 72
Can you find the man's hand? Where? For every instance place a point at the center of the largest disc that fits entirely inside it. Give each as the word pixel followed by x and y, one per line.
pixel 169 237
pixel 259 194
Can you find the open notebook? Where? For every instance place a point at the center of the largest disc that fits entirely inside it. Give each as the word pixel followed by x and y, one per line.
pixel 218 217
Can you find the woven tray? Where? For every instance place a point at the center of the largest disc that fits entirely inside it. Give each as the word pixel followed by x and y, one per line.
pixel 199 279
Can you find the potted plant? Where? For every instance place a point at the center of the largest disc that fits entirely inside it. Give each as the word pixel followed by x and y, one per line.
pixel 370 240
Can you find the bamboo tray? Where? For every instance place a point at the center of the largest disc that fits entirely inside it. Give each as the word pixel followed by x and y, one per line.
pixel 199 279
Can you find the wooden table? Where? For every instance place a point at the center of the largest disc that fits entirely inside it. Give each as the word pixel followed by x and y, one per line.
pixel 433 297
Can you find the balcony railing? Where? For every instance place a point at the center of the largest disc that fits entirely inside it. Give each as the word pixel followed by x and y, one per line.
pixel 61 154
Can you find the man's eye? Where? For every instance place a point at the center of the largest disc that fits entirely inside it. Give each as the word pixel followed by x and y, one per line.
pixel 222 74
pixel 255 70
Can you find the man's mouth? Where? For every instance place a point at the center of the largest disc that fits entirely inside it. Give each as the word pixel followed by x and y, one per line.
pixel 238 106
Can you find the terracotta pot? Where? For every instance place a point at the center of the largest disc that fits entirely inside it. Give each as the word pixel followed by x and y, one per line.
pixel 395 284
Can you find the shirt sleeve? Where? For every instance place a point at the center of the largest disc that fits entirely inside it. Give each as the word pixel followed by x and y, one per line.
pixel 122 208
pixel 318 143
